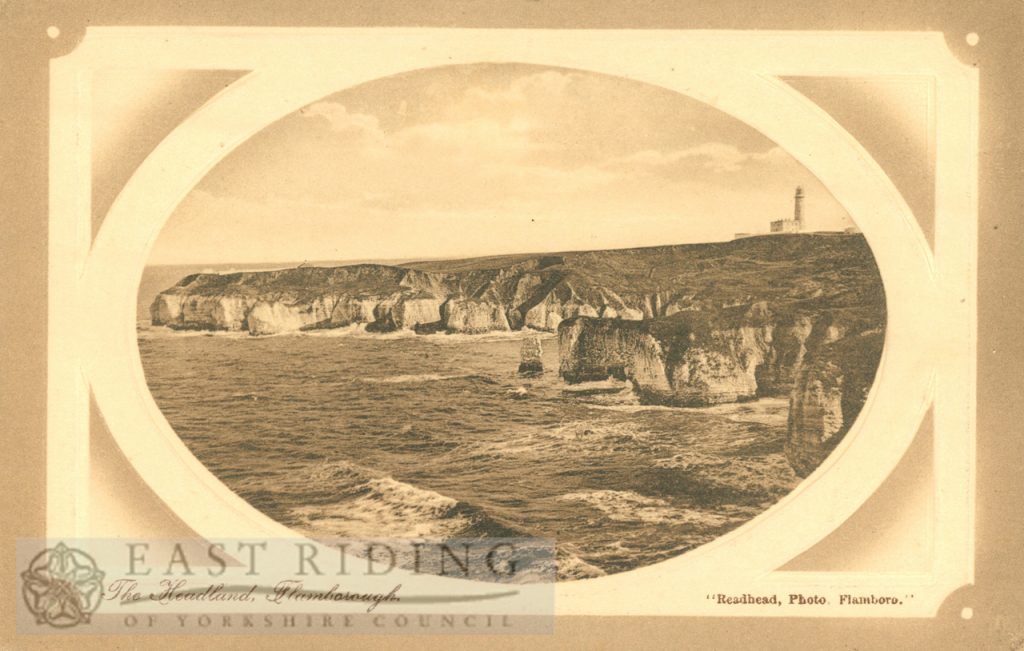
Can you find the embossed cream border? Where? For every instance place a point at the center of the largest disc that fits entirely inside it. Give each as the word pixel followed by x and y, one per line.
pixel 92 286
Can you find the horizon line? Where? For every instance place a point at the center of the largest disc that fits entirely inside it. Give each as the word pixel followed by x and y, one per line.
pixel 407 261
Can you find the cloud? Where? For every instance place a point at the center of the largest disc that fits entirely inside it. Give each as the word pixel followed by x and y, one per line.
pixel 532 92
pixel 490 149
pixel 446 161
pixel 509 162
pixel 340 120
pixel 496 121
pixel 714 156
pixel 482 137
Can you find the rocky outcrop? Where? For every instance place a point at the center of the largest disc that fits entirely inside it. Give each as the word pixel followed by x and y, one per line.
pixel 591 350
pixel 690 358
pixel 273 317
pixel 531 362
pixel 201 312
pixel 470 316
pixel 348 311
pixel 830 390
pixel 405 312
pixel 824 362
pixel 775 374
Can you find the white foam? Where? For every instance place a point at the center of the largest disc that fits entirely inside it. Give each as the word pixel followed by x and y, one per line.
pixel 352 330
pixel 161 332
pixel 484 337
pixel 572 567
pixel 628 506
pixel 358 330
pixel 573 437
pixel 390 509
pixel 768 411
pixel 400 493
pixel 771 476
pixel 333 470
pixel 598 434
pixel 610 383
pixel 692 460
pixel 404 379
pixel 624 506
pixel 632 409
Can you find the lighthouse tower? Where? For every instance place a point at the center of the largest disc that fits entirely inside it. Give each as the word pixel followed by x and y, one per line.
pixel 798 208
pixel 795 225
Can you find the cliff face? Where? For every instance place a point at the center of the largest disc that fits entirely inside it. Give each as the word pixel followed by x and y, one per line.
pixel 696 359
pixel 515 292
pixel 825 363
pixel 591 350
pixel 830 390
pixel 384 298
pixel 473 316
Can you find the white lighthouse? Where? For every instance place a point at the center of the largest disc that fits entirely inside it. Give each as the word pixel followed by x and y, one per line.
pixel 795 225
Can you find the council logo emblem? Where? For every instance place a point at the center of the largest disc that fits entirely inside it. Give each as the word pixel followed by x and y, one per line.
pixel 62 586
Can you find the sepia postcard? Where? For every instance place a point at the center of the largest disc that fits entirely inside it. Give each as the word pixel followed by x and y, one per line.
pixel 507 324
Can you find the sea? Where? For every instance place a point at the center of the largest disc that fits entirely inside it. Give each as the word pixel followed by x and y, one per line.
pixel 343 433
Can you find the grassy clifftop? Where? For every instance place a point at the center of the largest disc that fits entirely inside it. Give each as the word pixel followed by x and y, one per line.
pixel 805 273
pixel 798 266
pixel 836 266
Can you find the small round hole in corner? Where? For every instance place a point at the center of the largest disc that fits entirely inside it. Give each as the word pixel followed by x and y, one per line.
pixel 53 31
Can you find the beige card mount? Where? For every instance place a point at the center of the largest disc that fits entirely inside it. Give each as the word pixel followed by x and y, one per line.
pixel 923 398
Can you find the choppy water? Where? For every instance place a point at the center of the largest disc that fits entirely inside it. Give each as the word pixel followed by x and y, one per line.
pixel 345 434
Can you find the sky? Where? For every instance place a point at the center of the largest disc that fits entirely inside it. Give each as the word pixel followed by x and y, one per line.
pixel 487 159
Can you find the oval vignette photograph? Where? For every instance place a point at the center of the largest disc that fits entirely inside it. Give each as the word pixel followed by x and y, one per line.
pixel 505 300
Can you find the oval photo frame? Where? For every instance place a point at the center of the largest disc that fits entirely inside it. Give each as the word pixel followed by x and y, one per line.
pixel 867 455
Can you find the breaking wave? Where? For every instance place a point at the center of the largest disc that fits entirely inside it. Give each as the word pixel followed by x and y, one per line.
pixel 574 437
pixel 772 478
pixel 628 506
pixel 403 379
pixel 375 505
pixel 146 329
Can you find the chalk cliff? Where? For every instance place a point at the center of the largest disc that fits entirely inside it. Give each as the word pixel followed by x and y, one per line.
pixel 829 392
pixel 702 358
pixel 524 291
pixel 824 362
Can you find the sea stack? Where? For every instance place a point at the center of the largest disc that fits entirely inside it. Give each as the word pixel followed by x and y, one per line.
pixel 530 357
